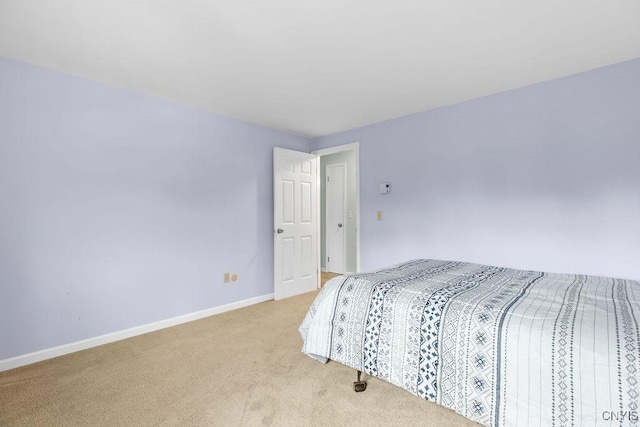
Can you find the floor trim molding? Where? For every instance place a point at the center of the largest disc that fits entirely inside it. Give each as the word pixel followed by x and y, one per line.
pixel 49 353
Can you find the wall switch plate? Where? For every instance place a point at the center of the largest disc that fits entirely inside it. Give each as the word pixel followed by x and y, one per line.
pixel 226 277
pixel 379 215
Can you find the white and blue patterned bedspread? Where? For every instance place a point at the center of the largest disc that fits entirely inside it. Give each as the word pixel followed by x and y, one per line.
pixel 500 346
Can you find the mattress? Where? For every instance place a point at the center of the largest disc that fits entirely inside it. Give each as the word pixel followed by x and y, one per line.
pixel 502 347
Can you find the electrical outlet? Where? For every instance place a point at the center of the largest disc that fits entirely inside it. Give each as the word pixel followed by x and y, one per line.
pixel 226 277
pixel 379 215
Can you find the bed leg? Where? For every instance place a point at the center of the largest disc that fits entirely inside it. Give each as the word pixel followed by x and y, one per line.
pixel 359 385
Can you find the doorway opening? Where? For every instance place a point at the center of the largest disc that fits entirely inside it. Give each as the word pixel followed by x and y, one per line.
pixel 339 209
pixel 301 223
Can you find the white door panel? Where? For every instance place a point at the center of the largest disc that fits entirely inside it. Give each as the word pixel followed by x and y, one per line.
pixel 295 222
pixel 336 193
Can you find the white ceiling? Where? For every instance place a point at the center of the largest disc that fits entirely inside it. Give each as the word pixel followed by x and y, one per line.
pixel 318 67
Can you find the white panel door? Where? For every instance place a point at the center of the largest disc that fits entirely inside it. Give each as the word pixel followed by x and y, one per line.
pixel 336 199
pixel 295 222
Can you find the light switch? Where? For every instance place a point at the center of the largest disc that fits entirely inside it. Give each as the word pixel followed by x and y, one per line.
pixel 379 215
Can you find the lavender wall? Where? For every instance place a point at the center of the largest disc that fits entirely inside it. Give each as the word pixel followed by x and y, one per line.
pixel 545 177
pixel 117 209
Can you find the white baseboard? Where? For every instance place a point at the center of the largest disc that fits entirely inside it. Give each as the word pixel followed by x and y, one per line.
pixel 38 356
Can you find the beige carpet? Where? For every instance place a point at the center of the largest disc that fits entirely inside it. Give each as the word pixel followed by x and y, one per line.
pixel 326 276
pixel 239 368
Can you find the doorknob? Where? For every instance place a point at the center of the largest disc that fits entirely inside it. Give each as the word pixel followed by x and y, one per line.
pixel 280 230
pixel 340 225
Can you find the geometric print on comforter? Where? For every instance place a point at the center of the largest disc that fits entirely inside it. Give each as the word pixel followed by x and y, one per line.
pixel 497 345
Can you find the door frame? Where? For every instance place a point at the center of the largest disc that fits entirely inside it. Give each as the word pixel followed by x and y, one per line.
pixel 344 213
pixel 354 146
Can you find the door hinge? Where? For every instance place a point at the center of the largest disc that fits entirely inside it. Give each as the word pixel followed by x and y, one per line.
pixel 328 259
pixel 328 179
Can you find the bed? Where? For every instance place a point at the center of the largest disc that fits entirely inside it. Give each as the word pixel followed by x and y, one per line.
pixel 502 347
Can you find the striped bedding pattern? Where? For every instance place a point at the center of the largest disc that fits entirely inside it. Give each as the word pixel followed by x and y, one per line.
pixel 502 347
